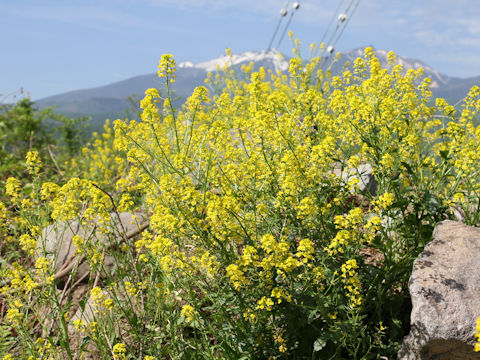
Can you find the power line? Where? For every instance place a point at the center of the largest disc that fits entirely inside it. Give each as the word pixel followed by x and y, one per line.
pixel 283 13
pixel 295 7
pixel 339 23
pixel 331 22
pixel 348 18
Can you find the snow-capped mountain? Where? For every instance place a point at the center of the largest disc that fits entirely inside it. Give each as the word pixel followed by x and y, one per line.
pixel 438 79
pixel 110 101
pixel 271 59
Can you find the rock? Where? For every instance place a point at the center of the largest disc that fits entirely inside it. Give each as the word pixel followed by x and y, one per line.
pixel 445 292
pixel 56 240
pixel 364 173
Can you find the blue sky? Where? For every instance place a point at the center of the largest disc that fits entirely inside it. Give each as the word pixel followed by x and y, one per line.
pixel 49 47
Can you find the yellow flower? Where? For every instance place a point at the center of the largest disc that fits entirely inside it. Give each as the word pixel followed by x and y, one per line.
pixel 48 190
pixel 188 312
pixel 280 294
pixel 130 288
pixel 108 303
pixel 354 161
pixel 236 276
pixel 384 201
pixel 79 324
pixel 305 250
pixel 14 315
pixel 477 335
pixel 28 243
pixel 33 162
pixel 387 162
pixel 12 188
pixel 97 295
pixel 119 351
pixel 332 316
pixel 166 67
pixel 265 303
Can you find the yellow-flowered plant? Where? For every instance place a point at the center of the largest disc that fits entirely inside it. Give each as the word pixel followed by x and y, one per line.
pixel 33 162
pixel 262 239
pixel 244 175
pixel 477 336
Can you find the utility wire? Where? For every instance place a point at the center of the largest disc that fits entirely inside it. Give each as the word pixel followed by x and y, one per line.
pixel 349 17
pixel 283 13
pixel 296 5
pixel 343 20
pixel 339 23
pixel 346 23
pixel 331 22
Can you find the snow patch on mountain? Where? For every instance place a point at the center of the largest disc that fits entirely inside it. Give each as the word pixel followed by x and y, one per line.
pixel 437 78
pixel 272 56
pixel 186 64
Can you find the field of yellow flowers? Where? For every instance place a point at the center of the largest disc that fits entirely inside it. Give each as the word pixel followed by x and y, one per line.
pixel 248 241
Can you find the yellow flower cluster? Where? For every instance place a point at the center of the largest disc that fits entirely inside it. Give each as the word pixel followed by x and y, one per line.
pixel 33 162
pixel 166 67
pixel 99 299
pixel 265 303
pixel 384 201
pixel 101 162
pixel 119 350
pixel 349 233
pixel 477 335
pixel 28 243
pixel 188 312
pixel 43 268
pixel 14 313
pixel 236 276
pixel 206 262
pixel 21 281
pixel 12 188
pixel 352 283
pixel 281 342
pixel 91 251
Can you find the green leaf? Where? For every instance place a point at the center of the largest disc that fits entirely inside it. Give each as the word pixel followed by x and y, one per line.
pixel 444 154
pixel 431 203
pixel 311 316
pixel 408 168
pixel 320 343
pixel 85 342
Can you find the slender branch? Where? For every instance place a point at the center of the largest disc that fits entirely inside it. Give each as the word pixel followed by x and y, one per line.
pixel 114 208
pixel 53 159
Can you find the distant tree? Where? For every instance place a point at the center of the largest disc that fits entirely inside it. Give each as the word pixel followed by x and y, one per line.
pixel 133 112
pixel 72 131
pixel 24 127
pixel 21 128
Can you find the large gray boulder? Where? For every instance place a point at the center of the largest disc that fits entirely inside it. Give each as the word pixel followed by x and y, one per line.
pixel 445 292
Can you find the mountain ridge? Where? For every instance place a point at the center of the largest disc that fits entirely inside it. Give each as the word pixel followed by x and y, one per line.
pixel 112 100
